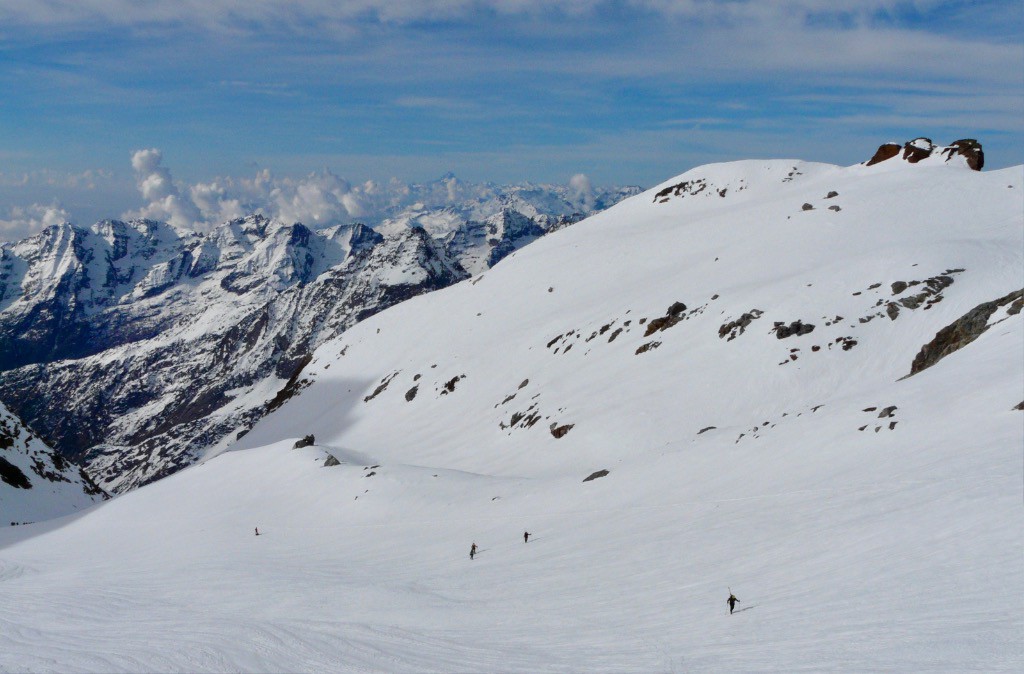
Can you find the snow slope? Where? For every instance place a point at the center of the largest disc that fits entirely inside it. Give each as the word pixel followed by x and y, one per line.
pixel 867 520
pixel 36 483
pixel 160 342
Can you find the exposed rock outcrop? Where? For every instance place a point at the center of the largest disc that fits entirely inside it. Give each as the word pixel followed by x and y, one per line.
pixel 964 330
pixel 797 328
pixel 921 149
pixel 673 315
pixel 36 483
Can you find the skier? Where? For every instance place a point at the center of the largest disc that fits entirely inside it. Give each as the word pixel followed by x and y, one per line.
pixel 472 551
pixel 732 601
pixel 257 531
pixel 526 537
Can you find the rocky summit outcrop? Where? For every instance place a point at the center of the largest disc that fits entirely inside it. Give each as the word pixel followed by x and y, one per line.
pixel 967 150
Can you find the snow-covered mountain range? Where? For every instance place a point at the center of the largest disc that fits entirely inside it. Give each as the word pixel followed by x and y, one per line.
pixel 160 342
pixel 795 382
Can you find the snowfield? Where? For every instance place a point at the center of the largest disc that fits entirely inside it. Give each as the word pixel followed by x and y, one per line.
pixel 866 519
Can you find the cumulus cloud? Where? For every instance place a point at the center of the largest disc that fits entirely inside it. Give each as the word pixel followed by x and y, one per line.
pixel 23 221
pixel 163 200
pixel 318 199
pixel 582 191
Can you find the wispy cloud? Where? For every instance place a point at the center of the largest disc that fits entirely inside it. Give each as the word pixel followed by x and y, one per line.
pixel 492 89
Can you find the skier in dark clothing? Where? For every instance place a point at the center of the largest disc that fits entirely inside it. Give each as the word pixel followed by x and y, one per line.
pixel 732 601
pixel 257 531
pixel 472 551
pixel 526 537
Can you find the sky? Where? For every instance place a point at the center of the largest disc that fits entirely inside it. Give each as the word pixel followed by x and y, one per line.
pixel 118 108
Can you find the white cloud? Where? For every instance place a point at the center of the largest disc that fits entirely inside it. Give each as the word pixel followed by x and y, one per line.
pixel 582 191
pixel 23 221
pixel 164 202
pixel 318 199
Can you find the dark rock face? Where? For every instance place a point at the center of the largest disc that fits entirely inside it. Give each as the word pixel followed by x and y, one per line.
pixel 970 149
pixel 12 475
pixel 918 149
pixel 964 330
pixel 885 151
pixel 561 431
pixel 595 475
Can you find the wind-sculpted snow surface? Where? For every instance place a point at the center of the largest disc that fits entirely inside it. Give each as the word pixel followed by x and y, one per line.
pixel 866 521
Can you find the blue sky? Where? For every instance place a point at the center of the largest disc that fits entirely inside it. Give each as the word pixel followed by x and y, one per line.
pixel 629 92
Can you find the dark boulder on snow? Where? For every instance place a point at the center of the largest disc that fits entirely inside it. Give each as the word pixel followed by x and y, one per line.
pixel 561 431
pixel 306 441
pixel 595 475
pixel 797 328
pixel 737 327
pixel 673 315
